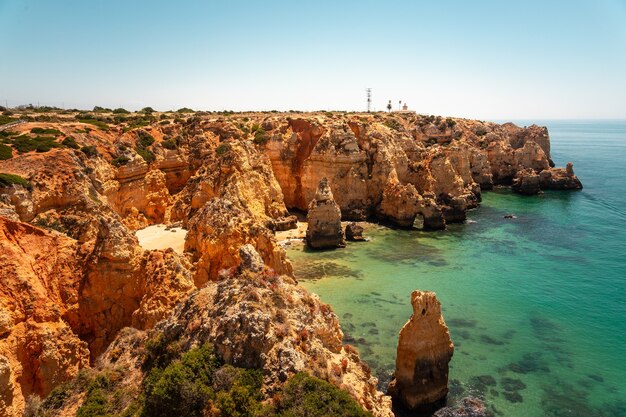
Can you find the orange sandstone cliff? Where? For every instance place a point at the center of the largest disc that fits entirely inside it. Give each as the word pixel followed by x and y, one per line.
pixel 73 275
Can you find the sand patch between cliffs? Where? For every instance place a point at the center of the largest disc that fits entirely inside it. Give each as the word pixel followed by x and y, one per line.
pixel 159 237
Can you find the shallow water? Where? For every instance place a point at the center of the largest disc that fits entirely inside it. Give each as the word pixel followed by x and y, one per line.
pixel 536 305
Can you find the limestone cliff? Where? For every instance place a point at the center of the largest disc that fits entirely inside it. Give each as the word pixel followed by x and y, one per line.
pixel 424 350
pixel 73 274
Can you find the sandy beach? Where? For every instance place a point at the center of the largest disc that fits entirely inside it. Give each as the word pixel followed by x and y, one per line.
pixel 158 237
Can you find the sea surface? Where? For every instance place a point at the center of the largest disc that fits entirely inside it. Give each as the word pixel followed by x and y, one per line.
pixel 536 305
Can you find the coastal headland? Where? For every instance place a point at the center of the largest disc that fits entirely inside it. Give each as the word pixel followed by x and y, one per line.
pixel 80 296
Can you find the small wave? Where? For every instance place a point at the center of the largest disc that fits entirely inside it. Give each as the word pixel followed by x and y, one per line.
pixel 612 208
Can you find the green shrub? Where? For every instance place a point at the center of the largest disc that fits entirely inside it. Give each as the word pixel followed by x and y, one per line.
pixel 170 144
pixel 25 143
pixel 304 395
pixel 7 180
pixel 147 110
pixel 42 131
pixel 146 154
pixel 183 388
pixel 120 160
pixel 57 397
pixel 90 151
pixel 393 124
pixel 138 121
pixel 5 119
pixel 450 123
pixel 98 123
pixel 120 110
pixel 5 152
pixel 96 402
pixel 70 142
pixel 145 138
pixel 260 137
pixel 222 149
pixel 241 397
pixel 480 131
pixel 185 110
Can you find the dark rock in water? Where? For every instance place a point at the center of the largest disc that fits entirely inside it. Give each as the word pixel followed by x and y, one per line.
pixel 528 364
pixel 354 232
pixel 513 397
pixel 494 392
pixel 347 316
pixel 373 330
pixel 468 407
pixel 486 380
pixel 511 384
pixel 510 216
pixel 456 388
pixel 596 378
pixel 463 334
pixel 461 323
pixel 490 340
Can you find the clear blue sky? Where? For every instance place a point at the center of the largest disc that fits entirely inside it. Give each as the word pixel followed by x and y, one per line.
pixel 484 59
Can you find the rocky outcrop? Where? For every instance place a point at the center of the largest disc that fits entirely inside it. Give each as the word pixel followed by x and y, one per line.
pixel 560 179
pixel 39 286
pixel 324 220
pixel 218 230
pixel 401 205
pixel 526 182
pixel 229 181
pixel 257 320
pixel 420 380
pixel 354 232
pixel 62 302
pixel 529 182
pixel 468 407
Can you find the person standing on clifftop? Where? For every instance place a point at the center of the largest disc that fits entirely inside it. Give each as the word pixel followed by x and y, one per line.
pixel 389 106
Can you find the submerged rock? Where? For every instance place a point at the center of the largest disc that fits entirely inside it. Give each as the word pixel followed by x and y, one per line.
pixel 424 351
pixel 324 220
pixel 354 232
pixel 469 407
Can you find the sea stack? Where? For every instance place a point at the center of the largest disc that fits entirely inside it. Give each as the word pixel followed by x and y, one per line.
pixel 324 219
pixel 420 381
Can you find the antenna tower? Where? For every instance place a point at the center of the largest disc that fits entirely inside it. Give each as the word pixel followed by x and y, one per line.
pixel 369 99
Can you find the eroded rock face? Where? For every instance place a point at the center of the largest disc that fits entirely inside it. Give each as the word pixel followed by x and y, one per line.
pixel 229 191
pixel 39 284
pixel 324 220
pixel 529 182
pixel 61 302
pixel 260 320
pixel 526 182
pixel 401 204
pixel 424 351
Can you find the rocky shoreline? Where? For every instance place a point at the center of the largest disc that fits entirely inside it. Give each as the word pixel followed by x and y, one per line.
pixel 75 279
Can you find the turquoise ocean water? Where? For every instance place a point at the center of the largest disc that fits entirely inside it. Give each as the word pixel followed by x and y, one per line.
pixel 536 305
